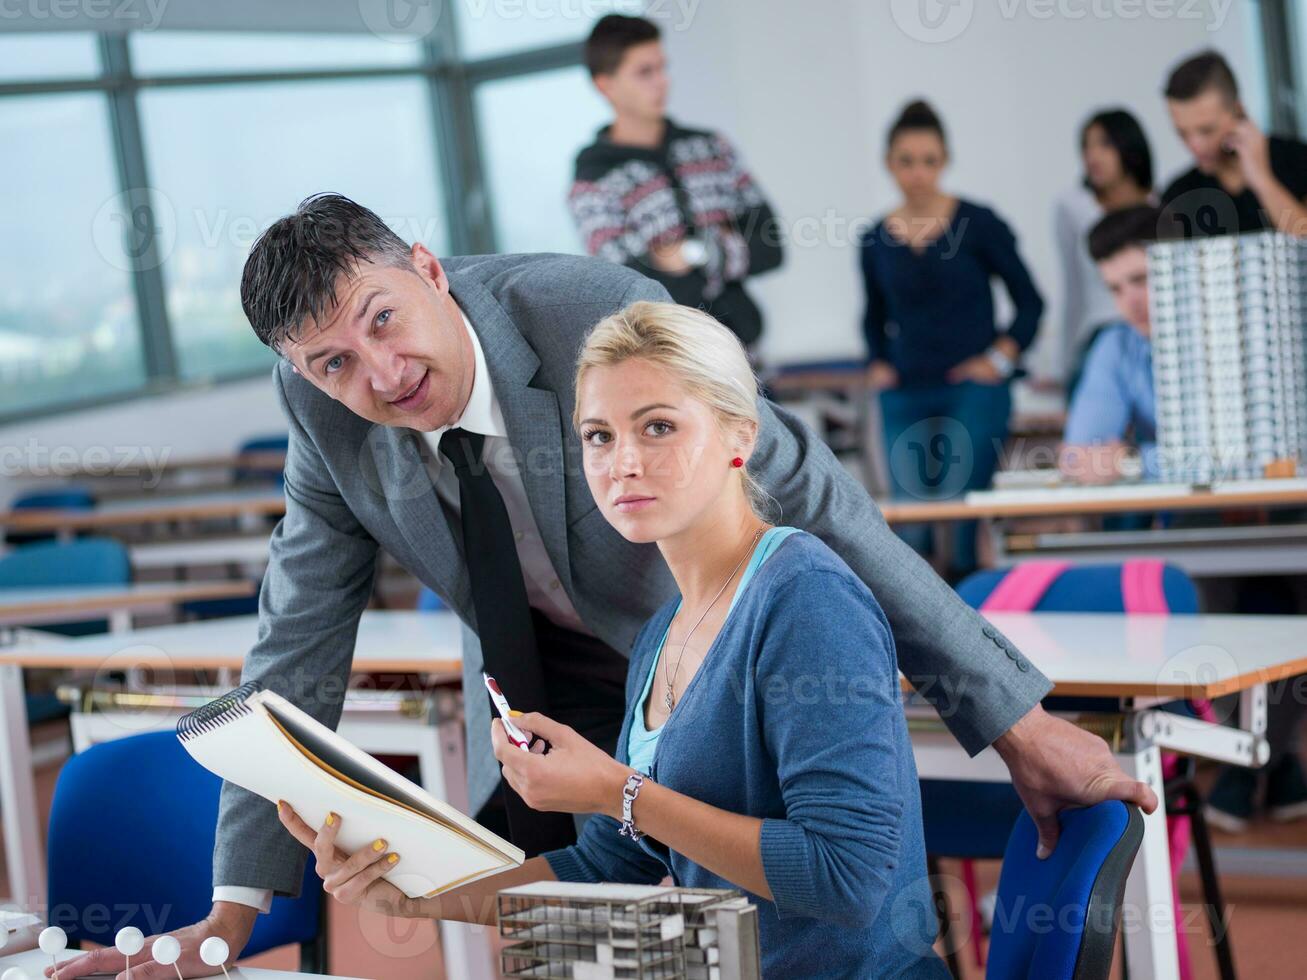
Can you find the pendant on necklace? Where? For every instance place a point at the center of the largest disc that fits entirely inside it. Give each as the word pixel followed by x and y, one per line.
pixel 667 699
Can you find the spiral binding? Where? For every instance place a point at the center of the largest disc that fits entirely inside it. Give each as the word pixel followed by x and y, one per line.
pixel 217 712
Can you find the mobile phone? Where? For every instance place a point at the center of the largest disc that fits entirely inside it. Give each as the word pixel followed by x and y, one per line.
pixel 515 734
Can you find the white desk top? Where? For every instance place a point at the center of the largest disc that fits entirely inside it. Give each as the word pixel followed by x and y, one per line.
pixel 388 641
pixel 34 963
pixel 61 604
pixel 1116 655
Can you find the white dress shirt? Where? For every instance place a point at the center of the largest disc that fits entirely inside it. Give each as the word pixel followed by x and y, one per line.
pixel 543 589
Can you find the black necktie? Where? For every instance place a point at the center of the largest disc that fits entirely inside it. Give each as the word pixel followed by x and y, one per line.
pixel 504 627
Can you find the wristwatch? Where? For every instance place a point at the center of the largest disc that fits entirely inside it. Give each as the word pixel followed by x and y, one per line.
pixel 1003 364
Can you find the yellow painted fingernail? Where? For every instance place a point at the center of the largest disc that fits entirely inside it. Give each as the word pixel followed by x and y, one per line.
pixel 515 713
pixel 280 805
pixel 378 844
pixel 331 819
pixel 393 858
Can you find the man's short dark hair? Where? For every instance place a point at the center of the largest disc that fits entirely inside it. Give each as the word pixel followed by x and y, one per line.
pixel 1206 71
pixel 291 273
pixel 610 39
pixel 1128 228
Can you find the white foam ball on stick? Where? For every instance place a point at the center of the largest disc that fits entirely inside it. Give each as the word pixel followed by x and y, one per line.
pixel 52 940
pixel 166 950
pixel 13 973
pixel 214 951
pixel 129 941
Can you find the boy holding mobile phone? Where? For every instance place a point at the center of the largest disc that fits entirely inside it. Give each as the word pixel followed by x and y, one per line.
pixel 1242 180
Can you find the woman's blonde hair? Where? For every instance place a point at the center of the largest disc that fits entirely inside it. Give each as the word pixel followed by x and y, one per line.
pixel 700 353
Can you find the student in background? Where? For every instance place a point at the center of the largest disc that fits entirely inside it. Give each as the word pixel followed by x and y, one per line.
pixel 1113 408
pixel 1242 180
pixel 941 364
pixel 1118 174
pixel 673 203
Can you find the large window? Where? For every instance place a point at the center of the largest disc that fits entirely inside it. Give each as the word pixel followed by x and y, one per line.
pixel 226 161
pixel 68 323
pixel 145 165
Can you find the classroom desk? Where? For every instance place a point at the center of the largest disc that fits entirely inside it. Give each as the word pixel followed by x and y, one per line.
pixel 34 963
pixel 1228 549
pixel 1143 662
pixel 117 603
pixel 242 549
pixel 234 504
pixel 388 642
pixel 260 460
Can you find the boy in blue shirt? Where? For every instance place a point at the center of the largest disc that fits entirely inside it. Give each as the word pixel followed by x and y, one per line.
pixel 1113 408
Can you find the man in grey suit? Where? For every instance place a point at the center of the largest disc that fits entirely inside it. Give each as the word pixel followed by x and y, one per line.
pixel 387 352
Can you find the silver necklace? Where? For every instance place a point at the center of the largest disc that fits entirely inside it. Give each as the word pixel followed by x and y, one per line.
pixel 669 681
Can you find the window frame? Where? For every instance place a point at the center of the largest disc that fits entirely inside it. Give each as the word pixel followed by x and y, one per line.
pixel 451 85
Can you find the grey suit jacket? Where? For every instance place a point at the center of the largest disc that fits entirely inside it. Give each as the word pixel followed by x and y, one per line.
pixel 353 486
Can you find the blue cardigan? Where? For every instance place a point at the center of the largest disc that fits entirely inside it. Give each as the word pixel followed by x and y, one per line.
pixel 927 312
pixel 794 717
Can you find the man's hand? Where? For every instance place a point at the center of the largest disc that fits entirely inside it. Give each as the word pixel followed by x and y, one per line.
pixel 231 921
pixel 667 257
pixel 1253 150
pixel 1055 765
pixel 882 375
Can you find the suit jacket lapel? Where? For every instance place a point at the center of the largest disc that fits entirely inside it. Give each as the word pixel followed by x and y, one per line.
pixel 412 500
pixel 531 416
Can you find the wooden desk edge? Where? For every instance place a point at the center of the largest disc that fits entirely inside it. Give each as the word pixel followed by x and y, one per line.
pixel 916 513
pixel 181 592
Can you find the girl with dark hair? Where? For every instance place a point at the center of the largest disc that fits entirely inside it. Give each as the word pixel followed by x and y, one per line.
pixel 1118 174
pixel 940 362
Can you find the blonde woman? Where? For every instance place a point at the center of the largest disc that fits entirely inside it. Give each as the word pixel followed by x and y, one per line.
pixel 764 746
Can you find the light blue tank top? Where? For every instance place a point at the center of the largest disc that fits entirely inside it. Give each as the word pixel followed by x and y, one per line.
pixel 641 743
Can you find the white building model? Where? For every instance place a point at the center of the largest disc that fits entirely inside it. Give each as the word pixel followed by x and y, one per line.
pixel 1229 321
pixel 571 931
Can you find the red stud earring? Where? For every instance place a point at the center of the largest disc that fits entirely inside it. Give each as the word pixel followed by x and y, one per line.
pixel 737 462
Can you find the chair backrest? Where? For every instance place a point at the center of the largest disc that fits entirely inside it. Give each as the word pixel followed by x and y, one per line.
pixel 262 474
pixel 86 561
pixel 49 498
pixel 428 601
pixel 132 829
pixel 1132 586
pixel 55 498
pixel 1057 918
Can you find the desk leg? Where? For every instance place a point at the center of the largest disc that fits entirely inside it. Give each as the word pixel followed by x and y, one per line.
pixel 24 854
pixel 467 950
pixel 1148 919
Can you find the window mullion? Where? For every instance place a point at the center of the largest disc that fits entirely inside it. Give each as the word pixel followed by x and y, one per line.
pixel 141 239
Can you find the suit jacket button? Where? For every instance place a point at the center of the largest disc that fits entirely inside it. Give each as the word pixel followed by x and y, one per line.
pixel 1022 665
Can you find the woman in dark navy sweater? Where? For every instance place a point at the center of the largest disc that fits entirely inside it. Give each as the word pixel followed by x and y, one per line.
pixel 941 364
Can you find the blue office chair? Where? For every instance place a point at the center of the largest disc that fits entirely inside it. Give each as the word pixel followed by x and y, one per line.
pixel 52 498
pixel 991 808
pixel 428 601
pixel 87 561
pixel 262 474
pixel 132 830
pixel 1057 919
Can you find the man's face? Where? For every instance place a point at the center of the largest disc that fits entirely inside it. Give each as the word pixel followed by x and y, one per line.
pixel 1126 277
pixel 1203 123
pixel 638 87
pixel 393 349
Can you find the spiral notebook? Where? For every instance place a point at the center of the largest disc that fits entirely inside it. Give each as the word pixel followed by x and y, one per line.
pixel 260 741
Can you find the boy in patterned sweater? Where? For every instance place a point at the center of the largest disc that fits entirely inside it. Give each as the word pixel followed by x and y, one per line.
pixel 673 203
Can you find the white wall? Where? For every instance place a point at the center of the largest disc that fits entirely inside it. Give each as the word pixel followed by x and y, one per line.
pixel 807 90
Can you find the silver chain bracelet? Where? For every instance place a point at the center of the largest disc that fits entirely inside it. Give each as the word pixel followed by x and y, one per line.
pixel 629 792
